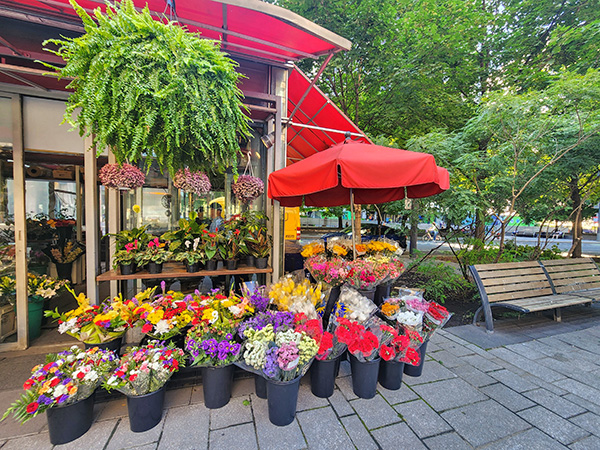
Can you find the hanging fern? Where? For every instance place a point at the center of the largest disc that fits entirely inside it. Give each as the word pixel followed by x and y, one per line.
pixel 143 87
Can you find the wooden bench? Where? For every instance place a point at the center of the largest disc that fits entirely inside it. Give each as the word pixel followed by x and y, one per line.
pixel 531 286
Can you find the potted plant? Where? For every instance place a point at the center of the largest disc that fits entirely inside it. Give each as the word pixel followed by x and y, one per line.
pixel 247 188
pixel 192 118
pixel 260 245
pixel 63 387
pixel 210 246
pixel 185 243
pixel 231 244
pixel 141 375
pixel 121 176
pixel 154 256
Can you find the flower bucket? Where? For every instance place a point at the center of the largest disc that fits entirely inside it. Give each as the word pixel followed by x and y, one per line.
pixel 261 263
pixel 364 377
pixel 231 264
pixel 216 385
pixel 416 371
pixel 334 294
pixel 127 269
pixel 322 377
pixel 154 267
pixel 382 291
pixel 145 411
pixel 192 267
pixel 282 397
pixel 260 386
pixel 35 311
pixel 369 293
pixel 390 374
pixel 211 264
pixel 69 422
pixel 114 345
pixel 64 270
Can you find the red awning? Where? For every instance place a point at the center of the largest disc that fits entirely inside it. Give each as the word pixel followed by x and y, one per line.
pixel 318 123
pixel 248 27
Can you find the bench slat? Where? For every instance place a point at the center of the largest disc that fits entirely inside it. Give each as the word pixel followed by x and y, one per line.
pixel 582 280
pixel 577 287
pixel 516 287
pixel 519 295
pixel 576 274
pixel 511 273
pixel 571 268
pixel 511 280
pixel 562 262
pixel 550 303
pixel 495 266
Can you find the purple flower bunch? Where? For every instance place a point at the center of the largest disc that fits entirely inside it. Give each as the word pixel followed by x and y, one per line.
pixel 281 321
pixel 271 365
pixel 259 301
pixel 247 188
pixel 212 349
pixel 194 182
pixel 121 177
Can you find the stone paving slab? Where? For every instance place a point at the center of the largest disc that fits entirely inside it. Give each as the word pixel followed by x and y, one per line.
pixel 375 412
pixel 447 441
pixel 588 443
pixel 507 397
pixel 423 420
pixel 359 435
pixel 185 428
pixel 397 436
pixel 553 425
pixel 236 412
pixel 554 403
pixel 446 394
pixel 528 440
pixel 323 430
pixel 271 437
pixel 238 436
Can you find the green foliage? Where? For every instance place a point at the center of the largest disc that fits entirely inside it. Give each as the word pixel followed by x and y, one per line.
pixel 439 280
pixel 477 253
pixel 144 88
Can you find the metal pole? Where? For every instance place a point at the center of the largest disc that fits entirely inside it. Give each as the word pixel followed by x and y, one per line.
pixel 352 217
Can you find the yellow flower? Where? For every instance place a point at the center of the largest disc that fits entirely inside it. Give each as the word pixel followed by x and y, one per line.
pixel 339 250
pixel 136 209
pixel 155 316
pixel 207 314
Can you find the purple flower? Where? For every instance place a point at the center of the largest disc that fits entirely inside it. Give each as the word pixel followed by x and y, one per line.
pixel 270 368
pixel 44 400
pixel 125 176
pixel 195 182
pixel 259 301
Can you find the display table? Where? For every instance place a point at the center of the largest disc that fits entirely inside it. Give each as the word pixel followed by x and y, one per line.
pixel 177 270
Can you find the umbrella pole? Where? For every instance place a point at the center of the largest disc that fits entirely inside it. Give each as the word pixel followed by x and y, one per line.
pixel 352 214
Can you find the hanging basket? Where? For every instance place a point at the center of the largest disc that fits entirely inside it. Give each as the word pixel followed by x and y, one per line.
pixel 192 182
pixel 248 188
pixel 121 177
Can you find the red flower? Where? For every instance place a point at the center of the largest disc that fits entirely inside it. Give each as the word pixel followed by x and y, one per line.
pixel 32 407
pixel 412 356
pixel 387 353
pixel 326 343
pixel 27 385
pixel 80 375
pixel 147 328
pixel 54 381
pixel 132 377
pixel 236 232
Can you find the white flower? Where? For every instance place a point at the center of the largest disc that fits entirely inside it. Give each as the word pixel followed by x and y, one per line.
pixel 161 327
pixel 59 390
pixel 187 244
pixel 215 317
pixel 235 310
pixel 46 293
pixel 113 381
pixel 92 375
pixel 68 326
pixel 409 318
pixel 196 242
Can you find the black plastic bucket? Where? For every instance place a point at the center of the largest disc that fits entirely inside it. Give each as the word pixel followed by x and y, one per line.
pixel 364 377
pixel 69 422
pixel 390 374
pixel 216 385
pixel 416 371
pixel 322 377
pixel 260 386
pixel 114 345
pixel 282 398
pixel 145 411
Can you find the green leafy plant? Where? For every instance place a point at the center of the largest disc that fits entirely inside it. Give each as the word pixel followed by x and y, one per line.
pixel 153 252
pixel 260 244
pixel 439 280
pixel 122 238
pixel 147 88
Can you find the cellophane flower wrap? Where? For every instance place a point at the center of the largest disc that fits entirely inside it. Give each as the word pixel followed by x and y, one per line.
pixel 339 248
pixel 248 188
pixel 165 315
pixel 65 378
pixel 362 275
pixel 363 341
pixel 194 182
pixel 354 306
pixel 400 347
pixel 330 347
pixel 279 345
pixel 297 296
pixel 145 369
pixel 314 248
pixel 121 177
pixel 331 272
pixel 96 324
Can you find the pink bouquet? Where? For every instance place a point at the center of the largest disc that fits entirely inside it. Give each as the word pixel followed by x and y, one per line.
pixel 332 272
pixel 121 177
pixel 247 188
pixel 362 274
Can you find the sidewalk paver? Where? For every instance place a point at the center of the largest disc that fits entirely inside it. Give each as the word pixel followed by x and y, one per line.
pixel 553 425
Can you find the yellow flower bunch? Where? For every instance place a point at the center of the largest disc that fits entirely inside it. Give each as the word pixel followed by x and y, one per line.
pixel 296 297
pixel 381 247
pixel 314 248
pixel 338 250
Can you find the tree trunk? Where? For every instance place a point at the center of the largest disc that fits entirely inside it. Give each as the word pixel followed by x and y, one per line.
pixel 479 226
pixel 575 251
pixel 341 221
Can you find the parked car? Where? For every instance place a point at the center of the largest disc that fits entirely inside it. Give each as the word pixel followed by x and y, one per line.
pixel 369 231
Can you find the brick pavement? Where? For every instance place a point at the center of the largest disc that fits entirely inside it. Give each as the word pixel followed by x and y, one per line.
pixel 540 393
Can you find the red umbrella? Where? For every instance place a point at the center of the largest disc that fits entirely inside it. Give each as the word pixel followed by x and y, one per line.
pixel 374 174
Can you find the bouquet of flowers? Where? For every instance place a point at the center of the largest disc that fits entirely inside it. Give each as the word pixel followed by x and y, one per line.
pixel 353 306
pixel 362 274
pixel 297 297
pixel 340 248
pixel 66 377
pixel 145 369
pixel 194 182
pixel 121 177
pixel 211 346
pixel 312 249
pixel 95 324
pixel 218 311
pixel 247 188
pixel 399 348
pixel 64 254
pixel 331 272
pixel 363 341
pixel 331 347
pixel 165 315
pixel 383 246
pixel 280 352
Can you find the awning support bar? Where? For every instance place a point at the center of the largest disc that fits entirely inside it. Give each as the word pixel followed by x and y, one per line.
pixel 331 130
pixel 312 84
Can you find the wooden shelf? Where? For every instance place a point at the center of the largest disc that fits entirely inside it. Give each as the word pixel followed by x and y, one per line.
pixel 177 270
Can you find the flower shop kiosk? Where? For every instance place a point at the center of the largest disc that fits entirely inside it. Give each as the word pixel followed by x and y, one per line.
pixel 49 178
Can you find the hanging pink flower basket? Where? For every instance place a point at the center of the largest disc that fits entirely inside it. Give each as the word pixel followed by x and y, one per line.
pixel 247 188
pixel 193 182
pixel 121 177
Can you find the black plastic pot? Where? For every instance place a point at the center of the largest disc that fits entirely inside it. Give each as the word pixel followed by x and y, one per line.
pixel 369 293
pixel 261 263
pixel 390 374
pixel 114 345
pixel 127 269
pixel 192 267
pixel 250 260
pixel 216 384
pixel 334 294
pixel 64 270
pixel 322 377
pixel 282 398
pixel 231 264
pixel 381 292
pixel 154 267
pixel 416 371
pixel 145 411
pixel 364 377
pixel 211 264
pixel 260 386
pixel 69 422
